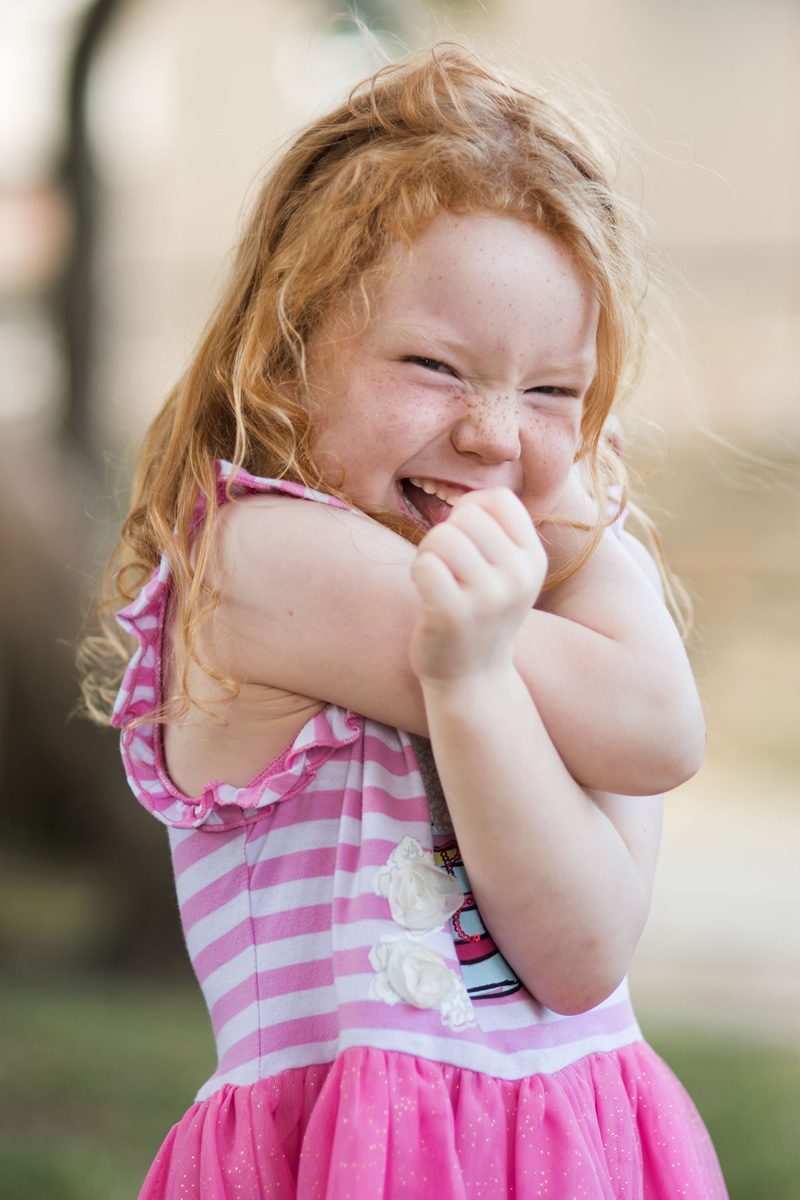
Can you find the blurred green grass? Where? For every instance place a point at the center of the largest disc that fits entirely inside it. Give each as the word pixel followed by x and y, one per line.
pixel 94 1071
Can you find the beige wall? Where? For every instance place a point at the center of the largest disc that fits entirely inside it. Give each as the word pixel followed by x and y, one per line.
pixel 714 89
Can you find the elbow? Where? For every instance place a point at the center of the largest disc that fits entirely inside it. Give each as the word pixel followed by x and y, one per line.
pixel 689 758
pixel 674 744
pixel 659 769
pixel 583 979
pixel 684 745
pixel 674 765
pixel 657 742
pixel 579 996
pixel 680 716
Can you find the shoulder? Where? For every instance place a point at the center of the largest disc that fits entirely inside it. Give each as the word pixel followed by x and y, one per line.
pixel 317 601
pixel 274 528
pixel 619 573
pixel 643 559
pixel 274 553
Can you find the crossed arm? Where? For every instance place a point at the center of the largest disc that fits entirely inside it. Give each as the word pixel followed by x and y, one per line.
pixel 563 876
pixel 544 724
pixel 320 603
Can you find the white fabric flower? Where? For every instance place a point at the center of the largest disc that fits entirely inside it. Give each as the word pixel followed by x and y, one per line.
pixel 421 896
pixel 380 988
pixel 457 1010
pixel 408 971
pixel 418 974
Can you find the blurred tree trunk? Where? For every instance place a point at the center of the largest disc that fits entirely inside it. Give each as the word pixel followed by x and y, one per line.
pixel 61 779
pixel 77 300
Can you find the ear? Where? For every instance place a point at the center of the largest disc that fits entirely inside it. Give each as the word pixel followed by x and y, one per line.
pixel 612 434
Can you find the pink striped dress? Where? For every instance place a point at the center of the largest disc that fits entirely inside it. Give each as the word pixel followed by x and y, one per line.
pixel 371 1040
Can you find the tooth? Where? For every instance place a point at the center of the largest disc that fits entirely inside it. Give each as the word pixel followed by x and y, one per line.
pixel 432 489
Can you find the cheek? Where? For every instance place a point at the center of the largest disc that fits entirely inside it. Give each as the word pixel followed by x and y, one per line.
pixel 413 413
pixel 548 458
pixel 554 442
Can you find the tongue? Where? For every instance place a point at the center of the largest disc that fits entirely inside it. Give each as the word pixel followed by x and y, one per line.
pixel 430 507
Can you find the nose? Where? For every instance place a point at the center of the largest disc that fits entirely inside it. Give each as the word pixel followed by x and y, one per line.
pixel 489 427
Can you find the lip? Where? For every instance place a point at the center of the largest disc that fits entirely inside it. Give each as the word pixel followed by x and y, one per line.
pixel 448 484
pixel 405 506
pixel 452 486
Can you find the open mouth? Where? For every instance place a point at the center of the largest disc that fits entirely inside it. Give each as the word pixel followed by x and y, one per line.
pixel 426 501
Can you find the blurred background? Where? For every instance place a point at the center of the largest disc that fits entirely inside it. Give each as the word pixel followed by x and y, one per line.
pixel 131 132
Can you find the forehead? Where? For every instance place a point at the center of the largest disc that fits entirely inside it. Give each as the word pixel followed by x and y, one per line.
pixel 487 277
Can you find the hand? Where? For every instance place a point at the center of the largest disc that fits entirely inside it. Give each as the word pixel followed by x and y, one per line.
pixel 478 574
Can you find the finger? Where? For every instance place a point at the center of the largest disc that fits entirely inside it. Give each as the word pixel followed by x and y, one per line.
pixel 489 536
pixel 453 544
pixel 502 529
pixel 513 580
pixel 507 510
pixel 438 588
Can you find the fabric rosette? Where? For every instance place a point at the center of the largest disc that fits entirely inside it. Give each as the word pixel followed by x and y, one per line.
pixel 421 899
pixel 421 896
pixel 412 972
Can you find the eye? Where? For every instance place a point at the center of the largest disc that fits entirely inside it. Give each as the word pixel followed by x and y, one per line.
pixel 430 364
pixel 548 389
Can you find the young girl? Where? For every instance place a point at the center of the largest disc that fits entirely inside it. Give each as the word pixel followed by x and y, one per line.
pixel 416 982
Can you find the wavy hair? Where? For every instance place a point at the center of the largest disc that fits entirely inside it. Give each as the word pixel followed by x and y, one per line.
pixel 437 132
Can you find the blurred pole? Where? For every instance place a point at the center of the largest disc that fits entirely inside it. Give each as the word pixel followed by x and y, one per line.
pixel 76 297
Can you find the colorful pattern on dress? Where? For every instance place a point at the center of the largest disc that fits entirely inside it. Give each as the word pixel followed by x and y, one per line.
pixel 487 975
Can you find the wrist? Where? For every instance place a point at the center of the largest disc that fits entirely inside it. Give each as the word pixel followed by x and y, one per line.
pixel 480 687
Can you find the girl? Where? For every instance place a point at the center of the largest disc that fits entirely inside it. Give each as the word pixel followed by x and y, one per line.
pixel 416 983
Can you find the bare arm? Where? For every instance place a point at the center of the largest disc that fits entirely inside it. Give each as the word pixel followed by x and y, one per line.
pixel 320 602
pixel 563 877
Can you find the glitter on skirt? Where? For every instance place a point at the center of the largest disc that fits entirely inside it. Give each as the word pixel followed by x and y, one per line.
pixel 384 1125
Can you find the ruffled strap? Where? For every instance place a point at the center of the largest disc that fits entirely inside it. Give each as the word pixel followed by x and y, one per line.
pixel 232 483
pixel 221 806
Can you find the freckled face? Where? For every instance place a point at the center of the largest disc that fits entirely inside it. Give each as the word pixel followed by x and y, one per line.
pixel 471 372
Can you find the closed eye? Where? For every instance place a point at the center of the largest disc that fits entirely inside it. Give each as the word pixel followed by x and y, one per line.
pixel 430 364
pixel 548 389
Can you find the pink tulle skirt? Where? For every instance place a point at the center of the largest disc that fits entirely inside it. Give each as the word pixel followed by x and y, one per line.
pixel 386 1125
